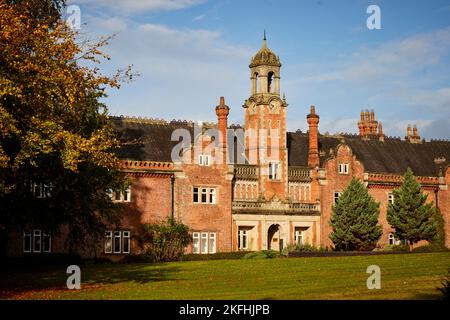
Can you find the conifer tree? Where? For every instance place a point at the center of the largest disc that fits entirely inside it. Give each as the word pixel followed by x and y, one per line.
pixel 355 219
pixel 412 218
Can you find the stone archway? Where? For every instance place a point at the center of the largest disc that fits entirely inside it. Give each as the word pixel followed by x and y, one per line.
pixel 274 240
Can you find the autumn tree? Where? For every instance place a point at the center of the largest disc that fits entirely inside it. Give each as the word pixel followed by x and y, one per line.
pixel 57 147
pixel 410 215
pixel 355 219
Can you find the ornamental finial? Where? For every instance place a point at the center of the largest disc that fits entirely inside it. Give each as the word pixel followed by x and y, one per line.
pixel 265 39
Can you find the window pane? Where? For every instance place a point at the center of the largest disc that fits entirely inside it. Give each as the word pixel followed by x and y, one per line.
pixel 117 195
pixel 204 195
pixel 244 239
pixel 37 240
pixel 117 242
pixel 212 243
pixel 126 194
pixel 204 242
pixel 46 242
pixel 212 195
pixel 27 242
pixel 126 242
pixel 108 242
pixel 196 242
pixel 195 199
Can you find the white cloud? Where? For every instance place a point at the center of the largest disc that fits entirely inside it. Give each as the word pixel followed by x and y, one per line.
pixel 183 71
pixel 134 6
pixel 393 59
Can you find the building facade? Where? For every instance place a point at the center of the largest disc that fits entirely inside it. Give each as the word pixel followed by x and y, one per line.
pixel 258 186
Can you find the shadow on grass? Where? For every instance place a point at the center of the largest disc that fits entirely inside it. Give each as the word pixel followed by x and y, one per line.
pixel 15 283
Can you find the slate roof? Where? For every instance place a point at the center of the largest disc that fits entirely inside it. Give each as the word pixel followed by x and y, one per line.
pixel 150 140
pixel 391 156
pixel 147 140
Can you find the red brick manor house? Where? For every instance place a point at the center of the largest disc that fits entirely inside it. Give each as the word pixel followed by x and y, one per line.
pixel 267 201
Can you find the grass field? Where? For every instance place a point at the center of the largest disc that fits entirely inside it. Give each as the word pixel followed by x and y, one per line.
pixel 403 276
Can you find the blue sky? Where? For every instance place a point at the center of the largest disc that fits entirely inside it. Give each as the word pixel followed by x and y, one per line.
pixel 191 52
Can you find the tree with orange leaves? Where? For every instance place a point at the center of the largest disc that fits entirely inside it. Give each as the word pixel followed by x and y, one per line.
pixel 57 148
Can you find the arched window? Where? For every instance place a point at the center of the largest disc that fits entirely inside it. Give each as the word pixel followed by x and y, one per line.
pixel 256 83
pixel 270 82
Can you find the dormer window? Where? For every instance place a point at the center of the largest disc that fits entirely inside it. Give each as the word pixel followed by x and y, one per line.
pixel 204 160
pixel 343 168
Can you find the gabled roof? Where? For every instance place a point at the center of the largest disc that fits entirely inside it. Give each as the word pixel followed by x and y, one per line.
pixel 389 156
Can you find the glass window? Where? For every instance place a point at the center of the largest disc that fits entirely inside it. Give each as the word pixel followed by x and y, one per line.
pixel 195 195
pixel 242 239
pixel 196 242
pixel 204 195
pixel 127 194
pixel 27 242
pixel 126 242
pixel 204 242
pixel 108 242
pixel 298 236
pixel 46 242
pixel 212 242
pixel 117 242
pixel 336 196
pixel 274 171
pixel 117 195
pixel 343 168
pixel 37 241
pixel 391 198
pixel 212 195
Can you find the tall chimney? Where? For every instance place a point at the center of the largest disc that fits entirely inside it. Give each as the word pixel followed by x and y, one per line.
pixel 408 131
pixel 415 134
pixel 222 112
pixel 313 153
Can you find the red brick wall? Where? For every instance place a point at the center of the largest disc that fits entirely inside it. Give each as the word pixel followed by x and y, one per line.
pixel 206 217
pixel 444 206
pixel 336 183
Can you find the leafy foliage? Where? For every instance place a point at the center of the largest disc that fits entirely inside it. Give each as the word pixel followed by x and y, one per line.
pixel 412 218
pixel 355 219
pixel 165 241
pixel 53 128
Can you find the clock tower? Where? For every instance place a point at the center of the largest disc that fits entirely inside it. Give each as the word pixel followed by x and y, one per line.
pixel 265 125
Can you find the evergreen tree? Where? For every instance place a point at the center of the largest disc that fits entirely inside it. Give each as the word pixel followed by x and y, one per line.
pixel 412 218
pixel 355 219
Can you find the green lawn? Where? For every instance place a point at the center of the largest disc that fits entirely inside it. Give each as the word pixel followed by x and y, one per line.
pixel 403 276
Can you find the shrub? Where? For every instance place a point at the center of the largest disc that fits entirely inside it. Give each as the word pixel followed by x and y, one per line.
pixel 432 247
pixel 302 248
pixel 214 256
pixel 265 254
pixel 165 241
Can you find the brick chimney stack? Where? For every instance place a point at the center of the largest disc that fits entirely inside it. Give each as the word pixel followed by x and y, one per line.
pixel 408 132
pixel 313 153
pixel 222 112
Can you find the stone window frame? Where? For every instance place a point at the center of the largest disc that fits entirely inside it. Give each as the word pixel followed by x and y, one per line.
pixel 344 168
pixel 210 195
pixel 124 196
pixel 207 236
pixel 39 241
pixel 124 238
pixel 277 176
pixel 204 160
